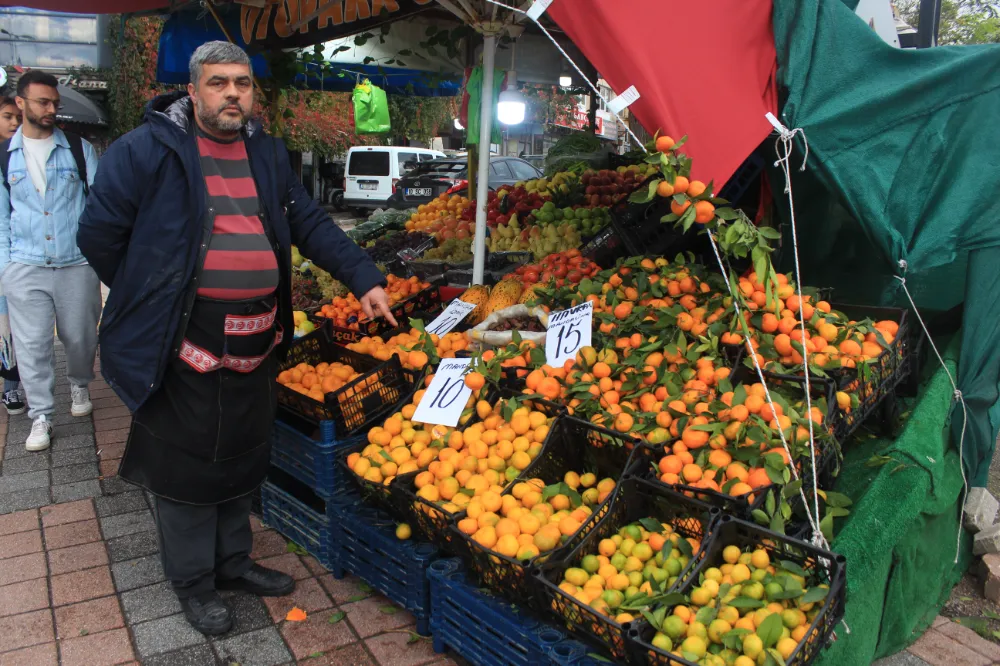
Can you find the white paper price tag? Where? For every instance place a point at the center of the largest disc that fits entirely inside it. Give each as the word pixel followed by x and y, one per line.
pixel 569 331
pixel 455 312
pixel 538 8
pixel 445 398
pixel 623 101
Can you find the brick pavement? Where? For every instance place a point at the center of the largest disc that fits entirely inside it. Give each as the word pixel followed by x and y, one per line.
pixel 81 582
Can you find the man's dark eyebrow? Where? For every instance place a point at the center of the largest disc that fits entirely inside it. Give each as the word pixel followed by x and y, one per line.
pixel 242 78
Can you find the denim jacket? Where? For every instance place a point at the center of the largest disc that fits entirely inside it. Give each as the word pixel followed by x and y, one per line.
pixel 37 232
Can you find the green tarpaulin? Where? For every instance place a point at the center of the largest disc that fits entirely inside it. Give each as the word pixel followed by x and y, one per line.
pixel 904 154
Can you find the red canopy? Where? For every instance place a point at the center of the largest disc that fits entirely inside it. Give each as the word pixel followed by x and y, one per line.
pixel 705 69
pixel 92 6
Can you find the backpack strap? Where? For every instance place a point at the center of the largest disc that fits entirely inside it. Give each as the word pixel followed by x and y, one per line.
pixel 5 163
pixel 76 147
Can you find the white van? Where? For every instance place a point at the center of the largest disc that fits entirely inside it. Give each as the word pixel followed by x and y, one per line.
pixel 372 172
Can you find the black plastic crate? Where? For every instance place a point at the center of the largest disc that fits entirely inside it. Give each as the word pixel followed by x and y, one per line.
pixel 434 522
pixel 875 381
pixel 636 499
pixel 572 445
pixel 351 408
pixel 384 496
pixel 740 505
pixel 823 567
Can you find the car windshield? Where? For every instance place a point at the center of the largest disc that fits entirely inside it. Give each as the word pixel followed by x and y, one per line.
pixel 450 168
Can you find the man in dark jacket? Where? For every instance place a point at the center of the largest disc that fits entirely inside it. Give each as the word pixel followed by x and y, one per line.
pixel 190 222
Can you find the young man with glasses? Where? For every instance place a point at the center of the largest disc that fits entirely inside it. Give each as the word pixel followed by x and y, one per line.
pixel 45 277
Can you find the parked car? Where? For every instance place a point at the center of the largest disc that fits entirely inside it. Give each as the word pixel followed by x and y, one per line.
pixel 431 179
pixel 373 171
pixel 537 161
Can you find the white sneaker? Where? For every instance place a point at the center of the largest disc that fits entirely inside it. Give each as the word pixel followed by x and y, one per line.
pixel 81 401
pixel 41 435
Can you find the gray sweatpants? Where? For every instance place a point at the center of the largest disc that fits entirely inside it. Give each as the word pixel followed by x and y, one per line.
pixel 41 299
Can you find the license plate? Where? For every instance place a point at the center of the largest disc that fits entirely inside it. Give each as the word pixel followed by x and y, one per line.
pixel 369 186
pixel 418 191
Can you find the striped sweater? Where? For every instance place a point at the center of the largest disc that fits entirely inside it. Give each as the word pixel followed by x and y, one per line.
pixel 240 263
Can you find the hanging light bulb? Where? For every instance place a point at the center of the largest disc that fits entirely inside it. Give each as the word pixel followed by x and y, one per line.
pixel 565 80
pixel 458 125
pixel 510 104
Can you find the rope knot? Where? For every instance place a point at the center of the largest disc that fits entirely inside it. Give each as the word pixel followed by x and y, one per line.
pixel 958 395
pixel 902 265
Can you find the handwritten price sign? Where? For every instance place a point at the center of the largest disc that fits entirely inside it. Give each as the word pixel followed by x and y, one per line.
pixel 445 398
pixel 453 314
pixel 569 331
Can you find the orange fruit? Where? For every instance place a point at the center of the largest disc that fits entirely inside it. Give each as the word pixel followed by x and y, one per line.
pixel 474 380
pixel 664 143
pixel 681 185
pixel 704 212
pixel 665 189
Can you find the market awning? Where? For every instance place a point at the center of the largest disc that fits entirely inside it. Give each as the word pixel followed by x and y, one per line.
pixel 256 29
pixel 78 108
pixel 702 69
pixel 94 6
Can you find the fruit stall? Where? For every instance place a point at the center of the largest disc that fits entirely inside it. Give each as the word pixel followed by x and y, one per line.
pixel 643 469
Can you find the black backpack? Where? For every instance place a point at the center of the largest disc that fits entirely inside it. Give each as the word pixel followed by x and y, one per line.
pixel 75 147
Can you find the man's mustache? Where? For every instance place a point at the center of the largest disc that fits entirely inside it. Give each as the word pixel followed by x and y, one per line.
pixel 232 105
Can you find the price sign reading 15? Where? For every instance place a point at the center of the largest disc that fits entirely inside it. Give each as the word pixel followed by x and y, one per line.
pixel 569 330
pixel 445 398
pixel 455 312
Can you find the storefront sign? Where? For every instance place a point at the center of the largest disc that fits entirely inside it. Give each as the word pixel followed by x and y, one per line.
pixel 300 23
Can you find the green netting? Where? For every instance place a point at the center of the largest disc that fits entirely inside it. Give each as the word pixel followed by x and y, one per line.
pixel 900 538
pixel 904 153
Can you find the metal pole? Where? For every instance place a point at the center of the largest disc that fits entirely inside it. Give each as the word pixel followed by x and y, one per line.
pixel 483 176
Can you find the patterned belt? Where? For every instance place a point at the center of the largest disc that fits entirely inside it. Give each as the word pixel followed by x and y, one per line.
pixel 204 361
pixel 237 325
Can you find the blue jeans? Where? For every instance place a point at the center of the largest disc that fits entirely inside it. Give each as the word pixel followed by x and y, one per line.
pixel 9 385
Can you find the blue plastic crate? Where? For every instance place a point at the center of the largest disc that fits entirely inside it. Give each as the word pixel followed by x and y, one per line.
pixel 363 542
pixel 575 653
pixel 311 461
pixel 481 628
pixel 298 517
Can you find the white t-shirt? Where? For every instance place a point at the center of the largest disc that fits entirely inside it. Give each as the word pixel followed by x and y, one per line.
pixel 36 154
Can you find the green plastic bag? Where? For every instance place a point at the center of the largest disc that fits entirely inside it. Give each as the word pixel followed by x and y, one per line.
pixel 371 109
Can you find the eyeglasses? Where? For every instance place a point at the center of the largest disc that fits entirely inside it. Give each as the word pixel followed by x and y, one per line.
pixel 45 103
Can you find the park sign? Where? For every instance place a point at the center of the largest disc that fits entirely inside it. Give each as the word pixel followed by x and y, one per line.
pixel 301 23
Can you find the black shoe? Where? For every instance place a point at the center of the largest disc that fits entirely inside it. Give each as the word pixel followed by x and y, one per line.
pixel 260 581
pixel 14 402
pixel 207 613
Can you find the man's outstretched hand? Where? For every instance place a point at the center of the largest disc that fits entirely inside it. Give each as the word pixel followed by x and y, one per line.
pixel 376 303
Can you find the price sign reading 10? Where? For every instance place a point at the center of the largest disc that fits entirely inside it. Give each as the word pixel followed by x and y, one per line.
pixel 447 395
pixel 569 331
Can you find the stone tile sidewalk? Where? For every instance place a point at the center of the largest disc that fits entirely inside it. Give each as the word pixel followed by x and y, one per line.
pixel 81 582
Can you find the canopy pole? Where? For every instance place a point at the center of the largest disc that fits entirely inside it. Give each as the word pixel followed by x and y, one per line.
pixel 483 172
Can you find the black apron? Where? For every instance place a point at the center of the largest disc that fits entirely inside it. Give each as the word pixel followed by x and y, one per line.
pixel 203 436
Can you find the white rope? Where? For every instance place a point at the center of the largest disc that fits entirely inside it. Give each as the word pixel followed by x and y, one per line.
pixel 956 394
pixel 578 70
pixel 784 146
pixel 818 537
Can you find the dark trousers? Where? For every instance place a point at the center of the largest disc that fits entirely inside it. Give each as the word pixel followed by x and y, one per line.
pixel 199 543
